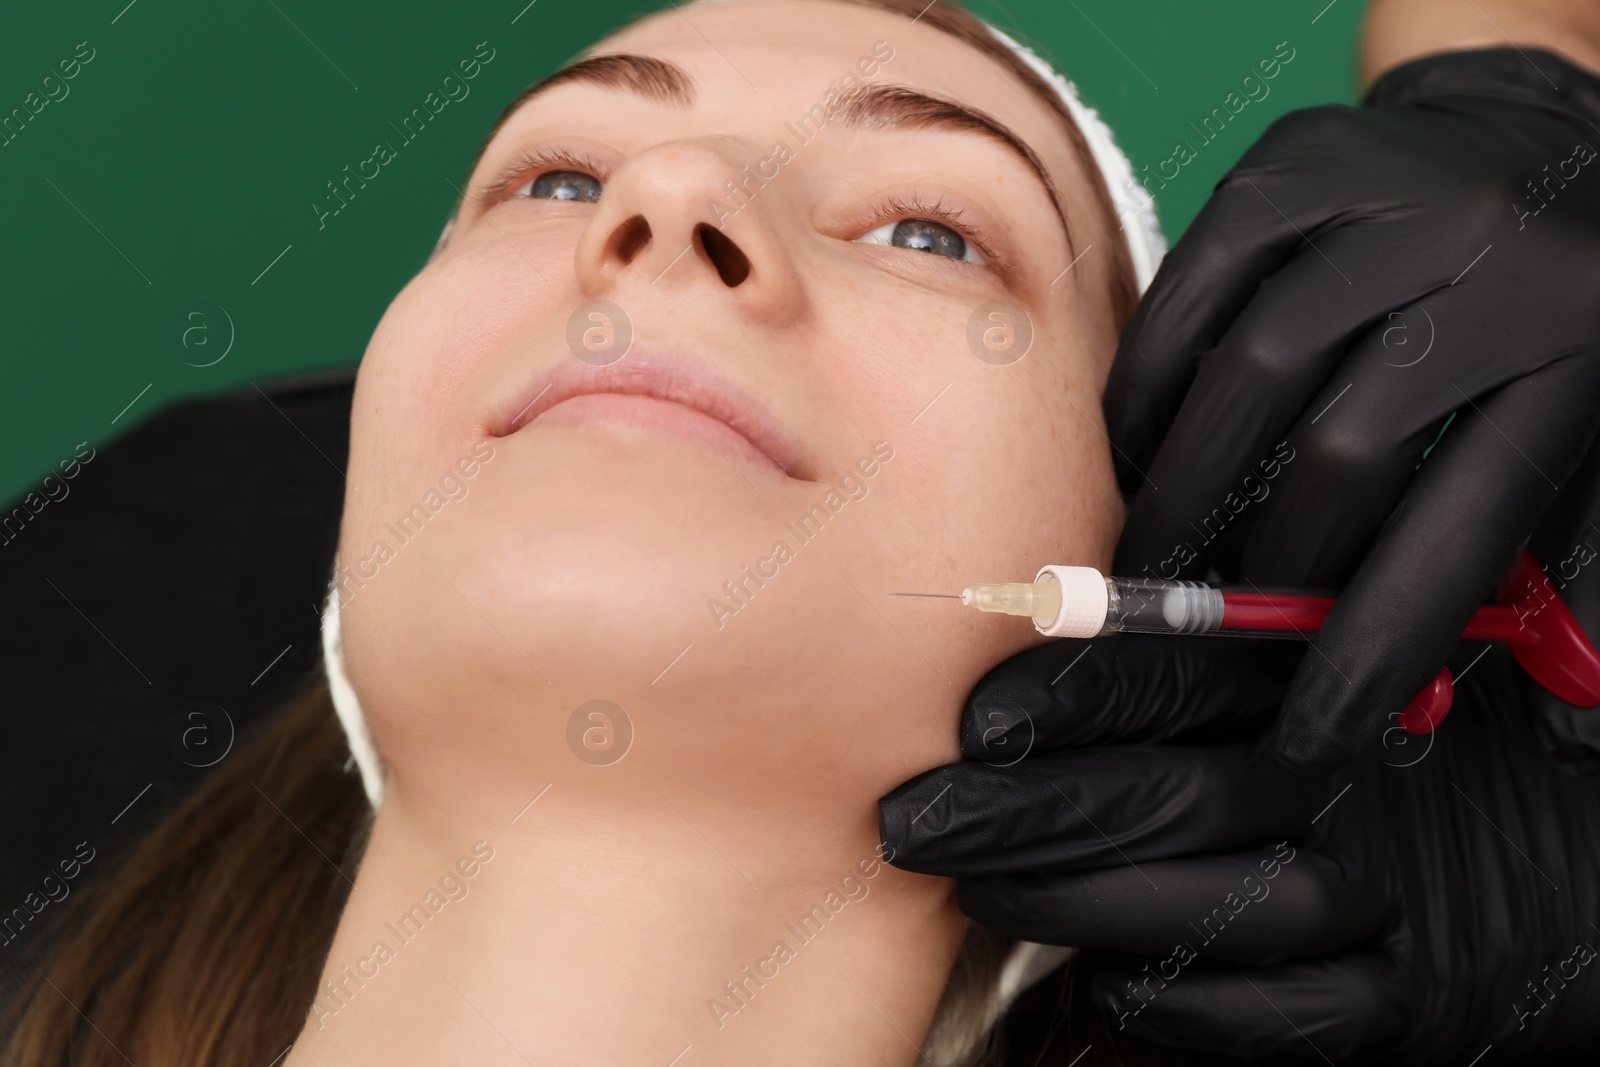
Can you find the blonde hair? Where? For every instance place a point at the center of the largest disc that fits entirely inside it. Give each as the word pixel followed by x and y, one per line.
pixel 963 1030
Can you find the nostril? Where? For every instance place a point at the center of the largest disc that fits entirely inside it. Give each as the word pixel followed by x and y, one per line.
pixel 733 266
pixel 629 239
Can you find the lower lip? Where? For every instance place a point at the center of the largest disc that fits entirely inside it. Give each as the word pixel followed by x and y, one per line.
pixel 656 415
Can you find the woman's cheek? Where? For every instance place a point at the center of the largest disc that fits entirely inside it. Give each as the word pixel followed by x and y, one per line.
pixel 441 349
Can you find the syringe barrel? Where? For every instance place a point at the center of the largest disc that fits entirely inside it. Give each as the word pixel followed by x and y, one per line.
pixel 1155 606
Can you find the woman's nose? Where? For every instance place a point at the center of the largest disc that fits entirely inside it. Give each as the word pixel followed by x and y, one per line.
pixel 668 220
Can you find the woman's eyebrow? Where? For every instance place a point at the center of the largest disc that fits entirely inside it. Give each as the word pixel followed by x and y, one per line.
pixel 654 79
pixel 657 79
pixel 891 107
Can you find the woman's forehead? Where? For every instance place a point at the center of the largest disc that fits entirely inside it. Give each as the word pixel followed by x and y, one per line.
pixel 762 59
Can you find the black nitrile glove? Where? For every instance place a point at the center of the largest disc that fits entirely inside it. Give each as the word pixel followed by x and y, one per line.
pixel 1363 275
pixel 1568 543
pixel 1433 899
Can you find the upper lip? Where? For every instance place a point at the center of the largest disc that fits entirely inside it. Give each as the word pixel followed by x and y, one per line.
pixel 670 377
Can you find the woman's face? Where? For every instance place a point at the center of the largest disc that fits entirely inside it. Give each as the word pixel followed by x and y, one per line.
pixel 808 416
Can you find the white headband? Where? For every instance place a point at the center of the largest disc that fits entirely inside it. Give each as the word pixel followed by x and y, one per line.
pixel 345 704
pixel 1131 200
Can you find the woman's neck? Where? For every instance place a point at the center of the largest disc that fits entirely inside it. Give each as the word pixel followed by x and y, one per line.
pixel 651 922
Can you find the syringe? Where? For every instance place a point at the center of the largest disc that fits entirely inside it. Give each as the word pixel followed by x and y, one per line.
pixel 1081 602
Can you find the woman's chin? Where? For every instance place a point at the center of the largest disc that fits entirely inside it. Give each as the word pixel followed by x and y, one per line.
pixel 597 561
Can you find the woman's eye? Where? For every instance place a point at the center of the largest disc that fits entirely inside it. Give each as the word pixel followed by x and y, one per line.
pixel 563 185
pixel 923 235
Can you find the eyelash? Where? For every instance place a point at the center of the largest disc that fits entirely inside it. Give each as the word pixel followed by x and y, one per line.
pixel 532 165
pixel 897 209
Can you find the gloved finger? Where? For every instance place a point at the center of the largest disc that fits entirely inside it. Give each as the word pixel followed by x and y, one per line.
pixel 1093 808
pixel 1568 544
pixel 1124 689
pixel 1468 511
pixel 1329 1009
pixel 1254 222
pixel 1226 447
pixel 1359 441
pixel 1259 907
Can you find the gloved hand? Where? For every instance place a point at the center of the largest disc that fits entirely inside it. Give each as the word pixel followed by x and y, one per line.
pixel 1568 543
pixel 1363 275
pixel 1433 898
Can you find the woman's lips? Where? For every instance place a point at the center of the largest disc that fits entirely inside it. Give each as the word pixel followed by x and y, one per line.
pixel 671 394
pixel 656 414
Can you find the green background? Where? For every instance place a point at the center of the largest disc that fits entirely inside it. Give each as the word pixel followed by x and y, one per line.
pixel 187 154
